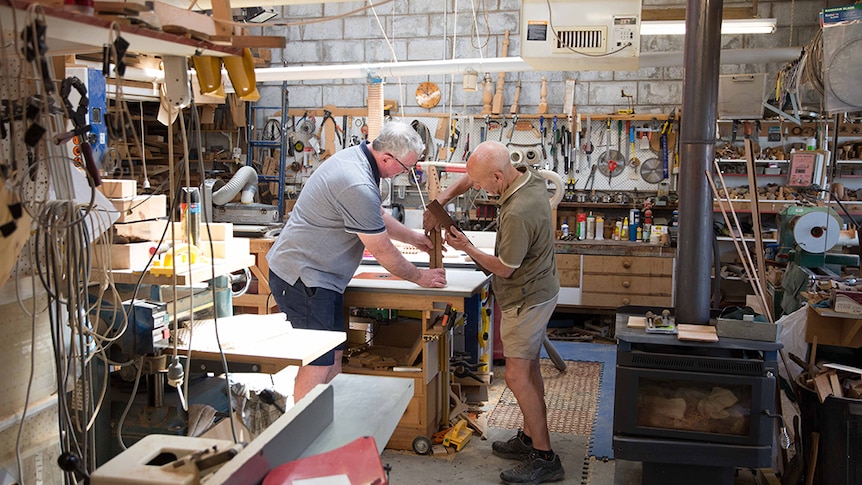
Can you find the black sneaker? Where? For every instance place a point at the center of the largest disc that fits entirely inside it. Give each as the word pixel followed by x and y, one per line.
pixel 535 470
pixel 514 449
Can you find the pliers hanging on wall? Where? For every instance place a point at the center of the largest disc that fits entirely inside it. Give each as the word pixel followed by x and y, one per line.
pixel 327 115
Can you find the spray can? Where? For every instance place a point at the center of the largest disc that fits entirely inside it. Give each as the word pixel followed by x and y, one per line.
pixel 191 215
pixel 600 228
pixel 591 226
pixel 582 226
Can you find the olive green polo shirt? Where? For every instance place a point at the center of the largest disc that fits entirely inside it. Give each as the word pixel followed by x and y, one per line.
pixel 525 241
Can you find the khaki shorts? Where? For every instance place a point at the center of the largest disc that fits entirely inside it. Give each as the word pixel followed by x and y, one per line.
pixel 523 330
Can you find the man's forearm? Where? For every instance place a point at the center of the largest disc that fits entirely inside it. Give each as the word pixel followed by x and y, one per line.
pixel 454 190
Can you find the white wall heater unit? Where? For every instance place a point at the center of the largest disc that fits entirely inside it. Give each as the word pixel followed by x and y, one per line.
pixel 581 35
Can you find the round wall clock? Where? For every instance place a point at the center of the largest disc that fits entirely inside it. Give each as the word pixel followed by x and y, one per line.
pixel 427 95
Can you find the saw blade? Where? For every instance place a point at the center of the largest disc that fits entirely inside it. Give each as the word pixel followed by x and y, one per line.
pixel 606 157
pixel 652 170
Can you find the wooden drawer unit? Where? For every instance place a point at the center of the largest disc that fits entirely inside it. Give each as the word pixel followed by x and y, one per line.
pixel 628 265
pixel 569 270
pixel 613 281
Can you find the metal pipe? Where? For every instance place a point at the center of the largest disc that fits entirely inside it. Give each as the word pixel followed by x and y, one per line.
pixel 697 151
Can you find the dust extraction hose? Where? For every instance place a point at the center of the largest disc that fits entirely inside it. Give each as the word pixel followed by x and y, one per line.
pixel 244 179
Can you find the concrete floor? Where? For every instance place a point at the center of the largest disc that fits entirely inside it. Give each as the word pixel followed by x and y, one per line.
pixel 476 465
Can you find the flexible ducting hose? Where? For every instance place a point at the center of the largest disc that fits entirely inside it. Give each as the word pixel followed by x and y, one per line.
pixel 244 179
pixel 555 179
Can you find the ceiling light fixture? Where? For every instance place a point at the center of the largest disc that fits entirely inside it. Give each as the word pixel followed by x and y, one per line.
pixel 741 26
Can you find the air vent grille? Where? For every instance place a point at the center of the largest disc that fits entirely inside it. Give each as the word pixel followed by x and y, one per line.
pixel 590 40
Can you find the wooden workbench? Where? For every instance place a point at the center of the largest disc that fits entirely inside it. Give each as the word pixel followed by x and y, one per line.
pixel 257 343
pixel 429 406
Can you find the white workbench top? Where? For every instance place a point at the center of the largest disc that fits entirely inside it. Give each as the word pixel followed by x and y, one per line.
pixel 462 282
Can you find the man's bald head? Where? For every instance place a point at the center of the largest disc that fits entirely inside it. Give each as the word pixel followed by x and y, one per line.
pixel 489 167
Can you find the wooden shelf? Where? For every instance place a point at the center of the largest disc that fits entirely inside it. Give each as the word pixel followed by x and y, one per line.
pixel 71 32
pixel 775 206
pixel 602 205
pixel 742 160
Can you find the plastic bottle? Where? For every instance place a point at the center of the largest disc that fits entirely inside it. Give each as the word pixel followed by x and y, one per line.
pixel 624 232
pixel 618 229
pixel 565 228
pixel 811 144
pixel 600 228
pixel 591 226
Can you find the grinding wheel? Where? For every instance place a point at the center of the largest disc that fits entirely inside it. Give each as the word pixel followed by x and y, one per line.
pixel 606 157
pixel 652 170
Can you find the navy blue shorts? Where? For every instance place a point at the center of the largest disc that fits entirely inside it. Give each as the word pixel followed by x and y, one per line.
pixel 311 308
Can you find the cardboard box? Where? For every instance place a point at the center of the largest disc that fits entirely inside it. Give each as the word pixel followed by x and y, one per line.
pixel 847 302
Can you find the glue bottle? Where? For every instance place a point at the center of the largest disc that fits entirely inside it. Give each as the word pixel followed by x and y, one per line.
pixel 565 228
pixel 600 228
pixel 624 231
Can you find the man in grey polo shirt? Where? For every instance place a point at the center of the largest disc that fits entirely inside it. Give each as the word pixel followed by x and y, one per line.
pixel 526 285
pixel 337 216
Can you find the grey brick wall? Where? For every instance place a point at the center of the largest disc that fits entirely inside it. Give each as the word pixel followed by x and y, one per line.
pixel 416 31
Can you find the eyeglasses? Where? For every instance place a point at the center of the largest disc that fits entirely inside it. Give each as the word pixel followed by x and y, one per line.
pixel 405 167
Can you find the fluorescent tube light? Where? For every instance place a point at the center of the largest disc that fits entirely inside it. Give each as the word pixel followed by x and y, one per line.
pixel 740 26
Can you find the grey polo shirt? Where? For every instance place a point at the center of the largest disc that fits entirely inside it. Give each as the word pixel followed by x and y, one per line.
pixel 525 241
pixel 320 242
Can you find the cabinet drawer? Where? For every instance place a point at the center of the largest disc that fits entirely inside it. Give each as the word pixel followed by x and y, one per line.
pixel 628 265
pixel 569 270
pixel 614 300
pixel 625 284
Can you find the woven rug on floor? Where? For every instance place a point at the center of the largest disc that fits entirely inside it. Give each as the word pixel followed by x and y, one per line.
pixel 571 397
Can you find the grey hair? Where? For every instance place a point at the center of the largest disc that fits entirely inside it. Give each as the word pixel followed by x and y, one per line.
pixel 398 138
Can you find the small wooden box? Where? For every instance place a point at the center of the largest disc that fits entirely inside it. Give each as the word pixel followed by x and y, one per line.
pixel 141 208
pixel 119 189
pixel 123 256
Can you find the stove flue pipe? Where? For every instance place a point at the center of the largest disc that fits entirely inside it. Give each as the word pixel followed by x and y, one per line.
pixel 701 62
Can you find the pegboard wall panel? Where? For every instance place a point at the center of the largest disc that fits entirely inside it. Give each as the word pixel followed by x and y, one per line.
pixel 548 143
pixel 39 448
pixel 15 358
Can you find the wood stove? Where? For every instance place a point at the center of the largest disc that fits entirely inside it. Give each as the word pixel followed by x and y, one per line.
pixel 692 409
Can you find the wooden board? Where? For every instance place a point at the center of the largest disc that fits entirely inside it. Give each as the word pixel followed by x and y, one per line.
pixel 119 188
pixel 697 333
pixel 445 221
pixel 637 322
pixel 141 208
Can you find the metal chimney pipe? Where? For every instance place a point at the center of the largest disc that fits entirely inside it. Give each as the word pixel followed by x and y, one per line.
pixel 701 61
